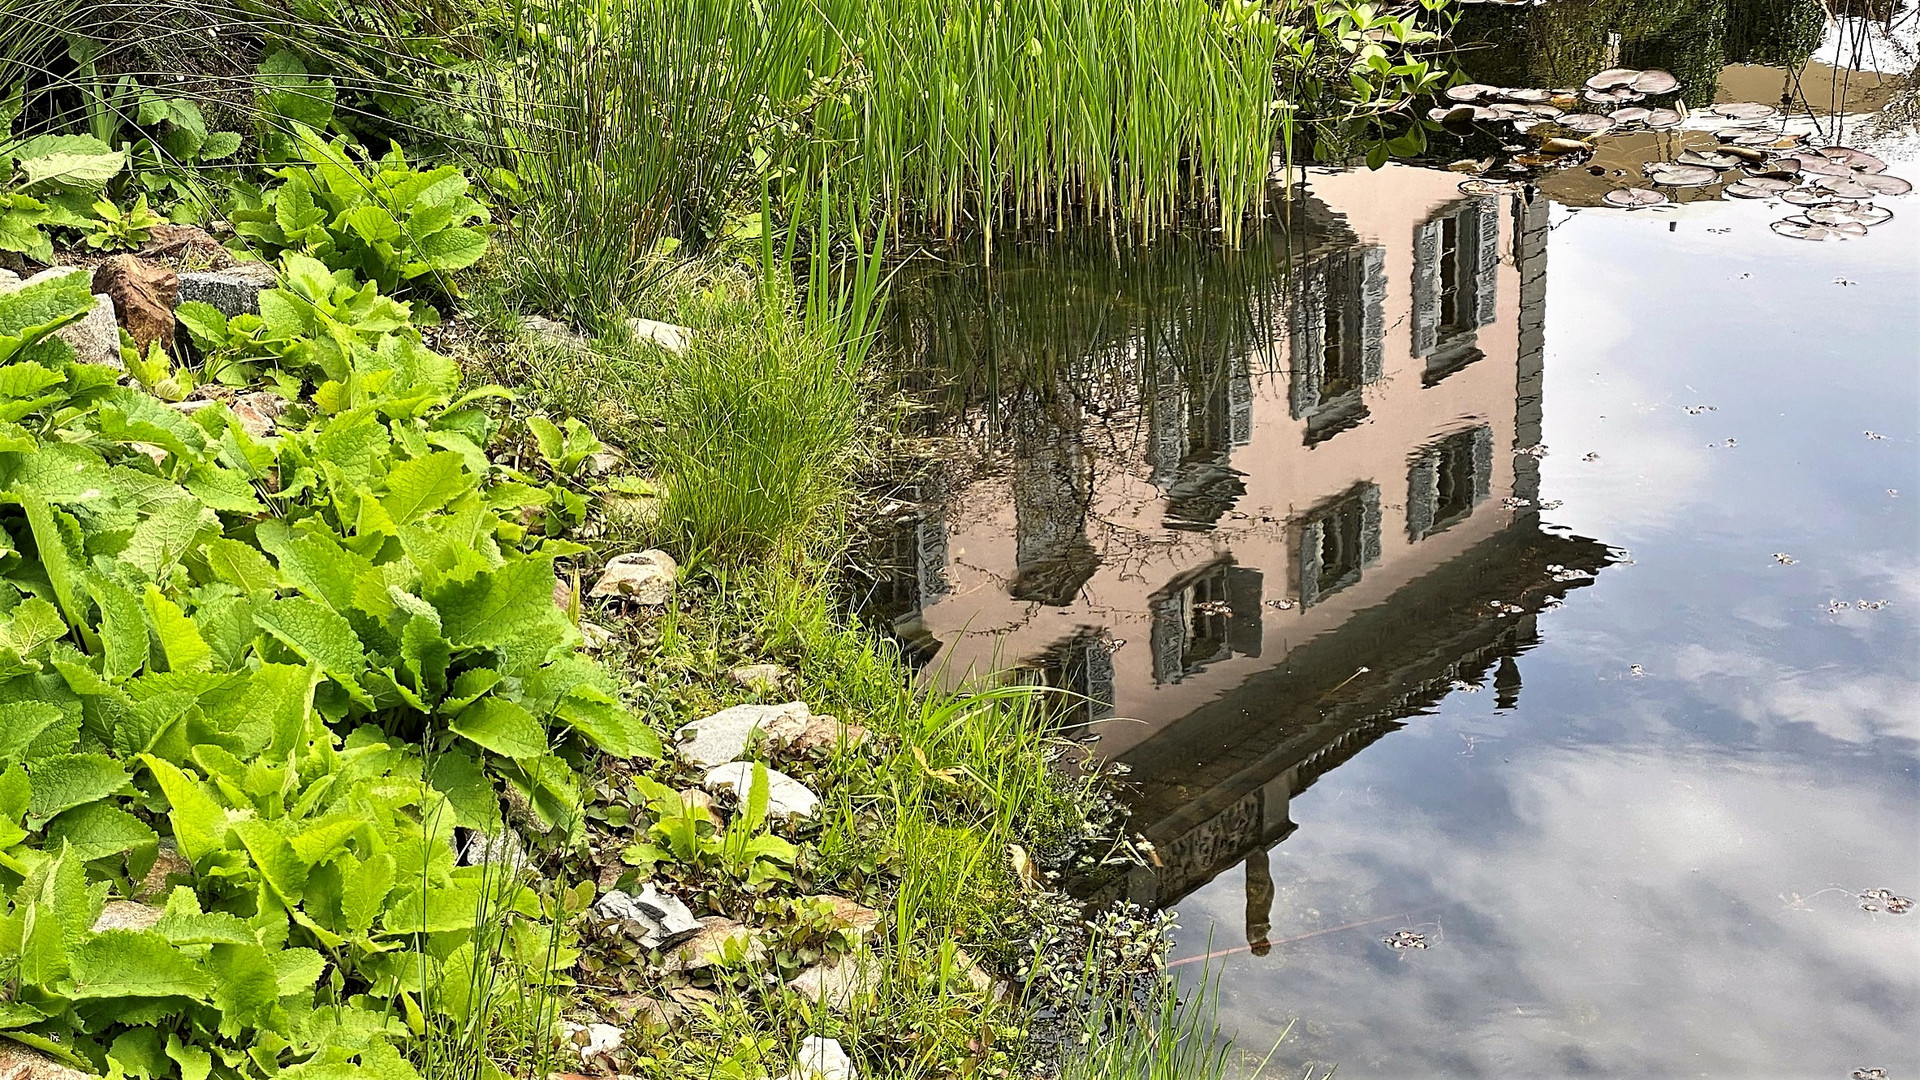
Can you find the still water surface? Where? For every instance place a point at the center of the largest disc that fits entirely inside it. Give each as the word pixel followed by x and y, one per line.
pixel 1507 613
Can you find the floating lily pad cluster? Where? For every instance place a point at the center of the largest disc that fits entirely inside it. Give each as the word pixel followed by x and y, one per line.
pixel 1756 157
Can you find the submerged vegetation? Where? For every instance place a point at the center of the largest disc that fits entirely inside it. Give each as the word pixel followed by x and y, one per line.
pixel 341 728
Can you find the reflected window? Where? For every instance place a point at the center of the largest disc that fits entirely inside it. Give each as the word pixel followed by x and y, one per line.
pixel 1456 259
pixel 1082 665
pixel 1337 338
pixel 1338 541
pixel 1447 479
pixel 1197 420
pixel 1204 617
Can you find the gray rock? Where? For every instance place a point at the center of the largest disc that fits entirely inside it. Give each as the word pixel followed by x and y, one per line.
pixel 723 736
pixel 645 577
pixel 8 277
pixel 235 291
pixel 674 339
pixel 96 337
pixel 19 1063
pixel 718 936
pixel 822 1059
pixel 786 797
pixel 653 919
pixel 551 332
pixel 502 849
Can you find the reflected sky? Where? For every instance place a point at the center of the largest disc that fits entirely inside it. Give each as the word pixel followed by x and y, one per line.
pixel 1652 871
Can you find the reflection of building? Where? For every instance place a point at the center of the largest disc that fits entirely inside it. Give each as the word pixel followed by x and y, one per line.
pixel 1263 515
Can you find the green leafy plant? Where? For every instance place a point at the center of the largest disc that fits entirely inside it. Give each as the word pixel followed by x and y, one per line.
pixel 386 222
pixel 682 833
pixel 113 229
pixel 50 181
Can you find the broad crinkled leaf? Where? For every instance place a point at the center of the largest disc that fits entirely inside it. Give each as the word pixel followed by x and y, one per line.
pixel 500 605
pixel 65 781
pixel 180 641
pixel 316 634
pixel 501 726
pixel 419 486
pixel 98 830
pixel 136 964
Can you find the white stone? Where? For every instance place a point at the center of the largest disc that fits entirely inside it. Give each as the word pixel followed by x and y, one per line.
pixel 502 849
pixel 711 944
pixel 595 1043
pixel 836 985
pixel 674 339
pixel 760 678
pixel 822 1059
pixel 19 1063
pixel 126 915
pixel 645 577
pixel 723 736
pixel 786 797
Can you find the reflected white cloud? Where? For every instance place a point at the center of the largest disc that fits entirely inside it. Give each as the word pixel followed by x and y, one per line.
pixel 1641 915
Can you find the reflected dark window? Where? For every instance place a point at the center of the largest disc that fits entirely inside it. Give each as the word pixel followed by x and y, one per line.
pixel 1338 339
pixel 1081 665
pixel 1197 420
pixel 1204 617
pixel 1447 479
pixel 1456 259
pixel 1338 540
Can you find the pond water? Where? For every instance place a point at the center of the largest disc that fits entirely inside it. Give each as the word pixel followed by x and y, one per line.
pixel 1506 612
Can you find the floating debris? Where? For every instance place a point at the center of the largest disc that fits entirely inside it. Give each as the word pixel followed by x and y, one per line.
pixel 1505 609
pixel 1696 410
pixel 1801 229
pixel 1488 187
pixel 1869 1074
pixel 1634 198
pixel 1871 605
pixel 1213 607
pixel 1462 686
pixel 1885 898
pixel 1405 939
pixel 1552 504
pixel 1568 573
pixel 1280 605
pixel 1536 451
pixel 1874 435
pixel 1636 671
pixel 1592 455
pixel 1835 607
pixel 1783 558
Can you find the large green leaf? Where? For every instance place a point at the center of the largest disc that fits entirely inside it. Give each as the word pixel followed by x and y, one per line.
pixel 65 781
pixel 98 830
pixel 419 486
pixel 135 964
pixel 318 635
pixel 68 161
pixel 501 726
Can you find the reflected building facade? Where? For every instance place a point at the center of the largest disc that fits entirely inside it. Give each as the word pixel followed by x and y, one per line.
pixel 1253 516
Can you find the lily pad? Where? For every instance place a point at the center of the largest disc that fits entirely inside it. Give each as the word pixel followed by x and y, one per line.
pixel 1819 166
pixel 1471 92
pixel 1660 119
pixel 1675 175
pixel 1807 197
pixel 1882 184
pixel 1613 78
pixel 1655 81
pixel 1744 189
pixel 1845 213
pixel 1587 123
pixel 1526 96
pixel 1632 114
pixel 1857 160
pixel 1844 188
pixel 1712 159
pixel 1633 198
pixel 1801 229
pixel 1745 110
pixel 1610 97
